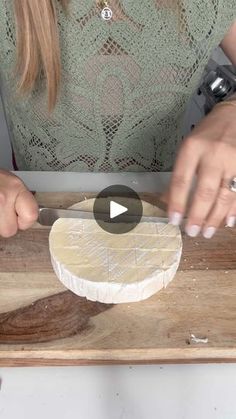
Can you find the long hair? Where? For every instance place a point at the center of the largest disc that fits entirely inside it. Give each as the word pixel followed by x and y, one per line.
pixel 38 46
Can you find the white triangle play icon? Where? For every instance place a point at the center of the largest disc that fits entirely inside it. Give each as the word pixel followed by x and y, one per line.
pixel 116 209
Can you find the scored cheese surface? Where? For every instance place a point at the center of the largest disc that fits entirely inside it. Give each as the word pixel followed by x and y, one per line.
pixel 114 268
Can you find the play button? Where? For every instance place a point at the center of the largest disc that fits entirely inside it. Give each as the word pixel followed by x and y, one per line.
pixel 116 209
pixel 118 203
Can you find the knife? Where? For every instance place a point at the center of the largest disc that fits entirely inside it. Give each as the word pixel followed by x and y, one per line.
pixel 47 216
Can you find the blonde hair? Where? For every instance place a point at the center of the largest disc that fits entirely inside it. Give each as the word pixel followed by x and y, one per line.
pixel 38 46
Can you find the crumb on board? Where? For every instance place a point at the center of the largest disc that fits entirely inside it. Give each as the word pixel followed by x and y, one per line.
pixel 197 296
pixel 207 268
pixel 226 272
pixel 191 266
pixel 194 279
pixel 198 340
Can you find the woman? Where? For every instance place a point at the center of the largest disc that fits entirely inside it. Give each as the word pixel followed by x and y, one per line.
pixel 118 80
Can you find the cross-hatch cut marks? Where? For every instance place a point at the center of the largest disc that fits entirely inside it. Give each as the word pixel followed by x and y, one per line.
pixel 114 267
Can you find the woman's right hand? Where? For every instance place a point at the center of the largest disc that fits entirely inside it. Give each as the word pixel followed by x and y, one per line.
pixel 18 207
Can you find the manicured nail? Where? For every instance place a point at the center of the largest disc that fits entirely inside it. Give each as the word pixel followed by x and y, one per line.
pixel 209 232
pixel 231 221
pixel 193 230
pixel 176 218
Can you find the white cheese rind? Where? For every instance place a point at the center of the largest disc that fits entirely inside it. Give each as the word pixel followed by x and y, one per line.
pixel 119 280
pixel 116 292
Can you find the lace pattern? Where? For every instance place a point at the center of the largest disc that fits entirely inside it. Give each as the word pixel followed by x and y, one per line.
pixel 125 84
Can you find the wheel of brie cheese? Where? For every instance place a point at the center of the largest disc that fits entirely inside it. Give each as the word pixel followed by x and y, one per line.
pixel 115 268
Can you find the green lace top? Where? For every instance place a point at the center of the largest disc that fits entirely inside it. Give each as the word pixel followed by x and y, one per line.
pixel 125 84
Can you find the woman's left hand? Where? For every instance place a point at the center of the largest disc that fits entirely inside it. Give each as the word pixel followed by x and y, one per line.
pixel 209 152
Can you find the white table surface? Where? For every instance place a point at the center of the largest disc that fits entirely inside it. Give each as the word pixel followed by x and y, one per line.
pixel 119 392
pixel 115 392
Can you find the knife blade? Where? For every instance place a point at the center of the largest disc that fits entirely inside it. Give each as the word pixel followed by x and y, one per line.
pixel 47 216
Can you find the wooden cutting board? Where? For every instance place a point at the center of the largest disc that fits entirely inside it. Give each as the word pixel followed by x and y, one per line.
pixel 42 323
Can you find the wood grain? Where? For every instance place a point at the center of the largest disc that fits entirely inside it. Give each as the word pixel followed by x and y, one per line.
pixel 54 317
pixel 28 252
pixel 201 300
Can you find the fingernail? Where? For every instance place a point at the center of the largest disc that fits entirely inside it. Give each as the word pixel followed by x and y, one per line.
pixel 193 230
pixel 209 232
pixel 176 218
pixel 231 221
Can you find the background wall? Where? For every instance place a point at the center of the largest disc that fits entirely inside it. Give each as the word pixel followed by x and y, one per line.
pixel 5 148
